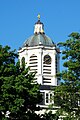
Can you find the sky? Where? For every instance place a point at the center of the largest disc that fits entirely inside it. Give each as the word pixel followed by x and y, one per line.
pixel 17 19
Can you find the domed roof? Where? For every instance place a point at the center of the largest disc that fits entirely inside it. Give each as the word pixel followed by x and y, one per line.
pixel 38 39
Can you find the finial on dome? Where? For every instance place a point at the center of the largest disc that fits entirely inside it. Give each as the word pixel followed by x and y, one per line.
pixel 38 16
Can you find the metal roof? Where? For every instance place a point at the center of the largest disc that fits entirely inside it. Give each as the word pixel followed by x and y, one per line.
pixel 38 39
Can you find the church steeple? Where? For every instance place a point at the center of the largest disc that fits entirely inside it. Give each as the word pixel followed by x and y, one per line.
pixel 39 27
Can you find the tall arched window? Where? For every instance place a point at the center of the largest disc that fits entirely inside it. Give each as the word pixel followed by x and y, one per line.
pixel 46 69
pixel 33 63
pixel 56 63
pixel 23 62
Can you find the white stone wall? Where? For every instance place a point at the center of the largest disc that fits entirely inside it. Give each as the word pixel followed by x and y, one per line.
pixel 40 52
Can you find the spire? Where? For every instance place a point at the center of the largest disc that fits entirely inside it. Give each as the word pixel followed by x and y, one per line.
pixel 39 27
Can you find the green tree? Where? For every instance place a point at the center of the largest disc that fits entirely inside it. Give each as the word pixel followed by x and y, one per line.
pixel 18 93
pixel 67 94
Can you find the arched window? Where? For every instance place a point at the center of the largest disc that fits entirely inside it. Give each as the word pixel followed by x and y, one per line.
pixel 23 62
pixel 56 63
pixel 33 63
pixel 46 69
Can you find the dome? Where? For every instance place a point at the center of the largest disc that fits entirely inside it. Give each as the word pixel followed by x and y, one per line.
pixel 38 39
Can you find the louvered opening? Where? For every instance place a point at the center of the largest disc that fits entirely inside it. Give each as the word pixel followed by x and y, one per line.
pixel 33 63
pixel 46 68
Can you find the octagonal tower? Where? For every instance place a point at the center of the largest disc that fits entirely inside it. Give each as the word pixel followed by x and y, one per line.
pixel 42 56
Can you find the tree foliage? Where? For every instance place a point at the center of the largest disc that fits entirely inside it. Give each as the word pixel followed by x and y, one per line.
pixel 18 93
pixel 67 95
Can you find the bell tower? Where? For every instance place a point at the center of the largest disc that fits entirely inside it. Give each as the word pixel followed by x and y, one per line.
pixel 42 56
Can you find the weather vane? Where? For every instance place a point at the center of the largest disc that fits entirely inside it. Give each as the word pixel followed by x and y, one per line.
pixel 38 16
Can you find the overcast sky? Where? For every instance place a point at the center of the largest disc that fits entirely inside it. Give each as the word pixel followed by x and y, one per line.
pixel 17 19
